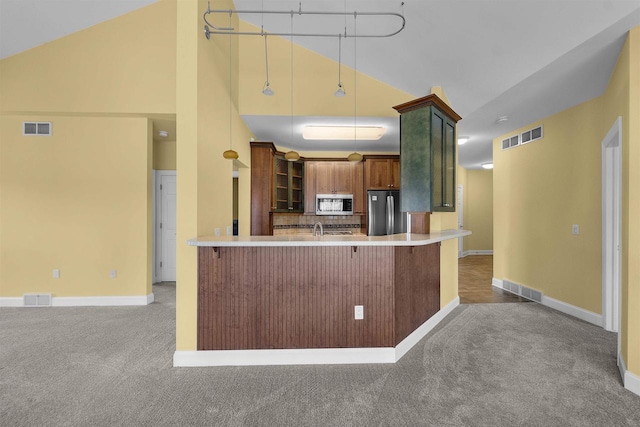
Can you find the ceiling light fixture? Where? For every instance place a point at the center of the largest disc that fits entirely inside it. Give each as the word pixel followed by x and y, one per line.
pixel 163 133
pixel 462 140
pixel 355 156
pixel 292 155
pixel 502 119
pixel 230 154
pixel 487 165
pixel 267 87
pixel 343 133
pixel 340 92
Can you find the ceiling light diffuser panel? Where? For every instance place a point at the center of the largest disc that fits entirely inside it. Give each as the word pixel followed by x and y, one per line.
pixel 343 133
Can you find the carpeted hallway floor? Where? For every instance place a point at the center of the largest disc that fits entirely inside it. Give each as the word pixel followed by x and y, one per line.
pixel 484 365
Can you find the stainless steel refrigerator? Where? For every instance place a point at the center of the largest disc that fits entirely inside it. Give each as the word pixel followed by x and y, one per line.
pixel 384 216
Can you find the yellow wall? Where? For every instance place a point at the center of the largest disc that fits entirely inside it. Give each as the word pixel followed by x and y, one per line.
pixel 124 65
pixel 80 200
pixel 164 155
pixel 203 125
pixel 544 187
pixel 478 210
pixel 77 201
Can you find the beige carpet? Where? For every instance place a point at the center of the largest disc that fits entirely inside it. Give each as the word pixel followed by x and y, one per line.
pixel 485 365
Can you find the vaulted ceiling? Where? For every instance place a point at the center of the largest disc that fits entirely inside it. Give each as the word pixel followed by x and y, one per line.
pixel 522 59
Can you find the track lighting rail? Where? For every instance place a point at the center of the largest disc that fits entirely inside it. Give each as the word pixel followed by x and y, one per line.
pixel 212 29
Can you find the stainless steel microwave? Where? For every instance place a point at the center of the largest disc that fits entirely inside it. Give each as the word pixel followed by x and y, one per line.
pixel 334 204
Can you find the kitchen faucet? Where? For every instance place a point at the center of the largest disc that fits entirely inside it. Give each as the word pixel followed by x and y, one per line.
pixel 315 226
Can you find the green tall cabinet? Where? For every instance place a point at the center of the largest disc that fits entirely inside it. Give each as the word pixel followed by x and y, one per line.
pixel 427 155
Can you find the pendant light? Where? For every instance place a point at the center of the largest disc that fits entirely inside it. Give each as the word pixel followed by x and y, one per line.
pixel 267 87
pixel 340 92
pixel 292 155
pixel 230 154
pixel 355 156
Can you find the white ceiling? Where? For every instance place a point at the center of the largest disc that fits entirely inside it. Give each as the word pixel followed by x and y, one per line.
pixel 523 59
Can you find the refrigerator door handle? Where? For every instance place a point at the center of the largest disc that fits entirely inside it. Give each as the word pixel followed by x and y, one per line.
pixel 390 214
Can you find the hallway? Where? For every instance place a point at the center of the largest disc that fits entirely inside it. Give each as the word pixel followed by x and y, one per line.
pixel 474 282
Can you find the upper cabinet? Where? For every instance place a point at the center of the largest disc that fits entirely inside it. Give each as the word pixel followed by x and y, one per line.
pixel 288 190
pixel 333 177
pixel 382 173
pixel 427 155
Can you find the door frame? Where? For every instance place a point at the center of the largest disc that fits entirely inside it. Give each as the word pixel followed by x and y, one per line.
pixel 611 227
pixel 157 214
pixel 460 206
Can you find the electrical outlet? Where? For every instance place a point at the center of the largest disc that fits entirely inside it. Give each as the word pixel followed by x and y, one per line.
pixel 113 274
pixel 217 232
pixel 56 273
pixel 575 229
pixel 229 232
pixel 359 312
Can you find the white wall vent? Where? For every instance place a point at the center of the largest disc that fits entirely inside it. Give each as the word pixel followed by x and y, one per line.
pixel 531 135
pixel 523 291
pixel 523 138
pixel 36 300
pixel 36 128
pixel 511 142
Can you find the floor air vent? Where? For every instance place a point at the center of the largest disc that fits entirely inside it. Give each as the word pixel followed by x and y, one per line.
pixel 39 129
pixel 37 300
pixel 523 291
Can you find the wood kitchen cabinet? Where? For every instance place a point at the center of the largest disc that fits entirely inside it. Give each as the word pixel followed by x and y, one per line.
pixel 428 155
pixel 333 177
pixel 262 197
pixel 288 185
pixel 382 173
pixel 277 185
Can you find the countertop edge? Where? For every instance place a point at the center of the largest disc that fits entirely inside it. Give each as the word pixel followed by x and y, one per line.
pixel 404 239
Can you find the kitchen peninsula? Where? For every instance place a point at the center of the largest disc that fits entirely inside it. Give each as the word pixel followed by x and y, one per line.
pixel 315 299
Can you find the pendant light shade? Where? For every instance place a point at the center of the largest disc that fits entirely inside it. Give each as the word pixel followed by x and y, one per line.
pixel 340 92
pixel 355 157
pixel 292 156
pixel 266 90
pixel 230 154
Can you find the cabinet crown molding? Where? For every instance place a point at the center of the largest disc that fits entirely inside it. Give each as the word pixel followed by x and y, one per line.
pixel 427 101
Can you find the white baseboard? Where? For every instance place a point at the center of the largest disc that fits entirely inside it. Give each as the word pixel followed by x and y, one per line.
pixel 85 301
pixel 571 310
pixel 479 252
pixel 311 356
pixel 11 302
pixel 630 380
pixel 412 339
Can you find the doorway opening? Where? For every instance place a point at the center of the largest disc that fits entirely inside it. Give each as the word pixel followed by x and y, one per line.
pixel 611 226
pixel 164 267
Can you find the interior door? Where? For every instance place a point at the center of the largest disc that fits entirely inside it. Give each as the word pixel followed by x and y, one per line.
pixel 167 228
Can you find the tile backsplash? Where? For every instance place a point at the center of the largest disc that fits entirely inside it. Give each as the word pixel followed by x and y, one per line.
pixel 303 224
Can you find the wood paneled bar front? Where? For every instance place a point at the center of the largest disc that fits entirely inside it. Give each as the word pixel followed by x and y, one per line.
pixel 292 293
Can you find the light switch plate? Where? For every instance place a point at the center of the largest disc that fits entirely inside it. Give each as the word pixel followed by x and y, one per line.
pixel 359 312
pixel 575 229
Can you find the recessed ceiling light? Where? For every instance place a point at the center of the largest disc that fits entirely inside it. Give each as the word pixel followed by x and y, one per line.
pixel 462 140
pixel 487 165
pixel 343 133
pixel 163 133
pixel 502 119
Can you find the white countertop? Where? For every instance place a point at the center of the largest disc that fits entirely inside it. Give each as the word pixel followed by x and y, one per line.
pixel 405 239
